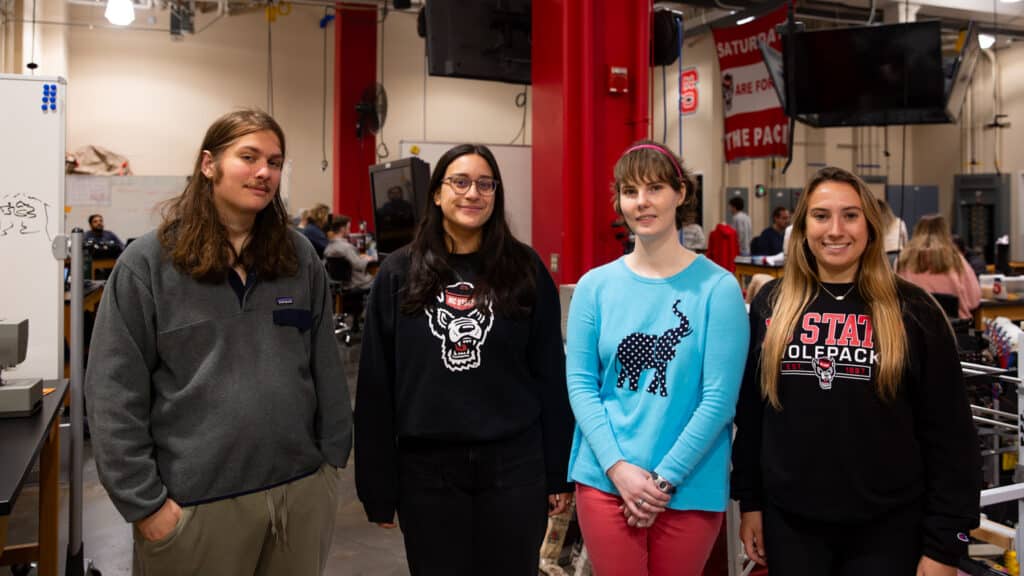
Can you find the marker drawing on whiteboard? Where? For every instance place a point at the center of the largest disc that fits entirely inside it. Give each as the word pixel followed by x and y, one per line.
pixel 21 214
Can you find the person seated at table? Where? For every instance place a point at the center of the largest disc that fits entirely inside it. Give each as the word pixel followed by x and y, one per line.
pixel 932 261
pixel 339 246
pixel 318 218
pixel 102 240
pixel 770 242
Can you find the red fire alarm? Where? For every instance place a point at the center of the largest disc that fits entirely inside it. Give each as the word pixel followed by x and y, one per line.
pixel 618 80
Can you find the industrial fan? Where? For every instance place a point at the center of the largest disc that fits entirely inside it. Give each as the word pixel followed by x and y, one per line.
pixel 372 110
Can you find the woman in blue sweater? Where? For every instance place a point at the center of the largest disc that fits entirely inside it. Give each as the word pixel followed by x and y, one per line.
pixel 656 347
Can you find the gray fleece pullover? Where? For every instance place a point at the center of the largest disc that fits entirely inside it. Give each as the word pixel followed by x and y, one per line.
pixel 196 397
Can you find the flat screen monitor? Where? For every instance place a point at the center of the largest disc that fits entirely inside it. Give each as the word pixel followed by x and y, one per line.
pixel 873 75
pixel 865 75
pixel 400 195
pixel 479 39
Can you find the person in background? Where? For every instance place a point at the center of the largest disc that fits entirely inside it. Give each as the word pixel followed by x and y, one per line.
pixel 463 423
pixel 741 222
pixel 691 235
pixel 770 242
pixel 316 222
pixel 934 263
pixel 100 237
pixel 217 398
pixel 654 351
pixel 848 360
pixel 338 246
pixel 894 232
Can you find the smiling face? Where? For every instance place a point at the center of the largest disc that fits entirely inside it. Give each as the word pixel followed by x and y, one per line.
pixel 465 214
pixel 649 209
pixel 837 230
pixel 245 175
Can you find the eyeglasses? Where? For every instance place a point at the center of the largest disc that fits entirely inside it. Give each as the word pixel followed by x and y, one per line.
pixel 460 184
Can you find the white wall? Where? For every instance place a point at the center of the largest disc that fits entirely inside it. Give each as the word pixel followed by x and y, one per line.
pixel 141 94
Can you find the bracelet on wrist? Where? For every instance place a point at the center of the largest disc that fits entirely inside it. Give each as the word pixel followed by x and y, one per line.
pixel 662 484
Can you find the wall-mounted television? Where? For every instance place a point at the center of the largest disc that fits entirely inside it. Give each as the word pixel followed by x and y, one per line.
pixel 400 192
pixel 873 75
pixel 479 39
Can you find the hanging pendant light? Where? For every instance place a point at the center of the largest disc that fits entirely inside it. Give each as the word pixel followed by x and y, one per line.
pixel 120 12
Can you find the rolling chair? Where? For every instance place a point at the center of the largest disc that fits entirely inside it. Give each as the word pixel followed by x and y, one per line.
pixel 348 302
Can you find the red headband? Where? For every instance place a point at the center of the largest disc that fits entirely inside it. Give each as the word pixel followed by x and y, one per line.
pixel 669 155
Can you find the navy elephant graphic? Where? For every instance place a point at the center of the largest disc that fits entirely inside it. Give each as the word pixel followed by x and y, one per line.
pixel 639 352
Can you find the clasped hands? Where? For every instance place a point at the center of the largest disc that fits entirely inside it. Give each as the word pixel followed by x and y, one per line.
pixel 642 501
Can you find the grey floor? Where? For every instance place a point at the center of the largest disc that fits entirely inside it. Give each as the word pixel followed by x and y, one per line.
pixel 359 548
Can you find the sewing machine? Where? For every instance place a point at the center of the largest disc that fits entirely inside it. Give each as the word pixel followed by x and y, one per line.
pixel 18 396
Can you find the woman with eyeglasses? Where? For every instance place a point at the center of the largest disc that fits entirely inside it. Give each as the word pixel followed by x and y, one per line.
pixel 855 451
pixel 655 349
pixel 463 423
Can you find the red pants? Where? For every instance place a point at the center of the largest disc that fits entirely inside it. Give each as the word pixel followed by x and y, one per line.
pixel 677 544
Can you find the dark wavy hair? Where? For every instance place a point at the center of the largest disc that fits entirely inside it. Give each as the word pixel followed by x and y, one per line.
pixel 508 277
pixel 194 237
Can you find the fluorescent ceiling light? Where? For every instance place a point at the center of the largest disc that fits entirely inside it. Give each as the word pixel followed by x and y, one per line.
pixel 120 12
pixel 1009 1
pixel 986 41
pixel 743 21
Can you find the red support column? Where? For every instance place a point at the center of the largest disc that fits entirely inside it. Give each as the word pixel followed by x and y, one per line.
pixel 355 68
pixel 580 126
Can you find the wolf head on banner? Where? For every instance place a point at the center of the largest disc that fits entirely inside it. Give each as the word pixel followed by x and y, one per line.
pixel 460 326
pixel 825 368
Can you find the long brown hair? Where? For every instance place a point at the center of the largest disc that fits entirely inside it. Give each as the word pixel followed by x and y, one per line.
pixel 931 248
pixel 509 273
pixel 192 233
pixel 800 284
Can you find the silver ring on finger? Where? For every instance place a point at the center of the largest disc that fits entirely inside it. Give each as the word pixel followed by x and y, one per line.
pixel 639 502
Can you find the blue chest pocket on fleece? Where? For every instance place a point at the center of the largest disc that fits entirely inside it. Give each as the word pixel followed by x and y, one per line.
pixel 296 317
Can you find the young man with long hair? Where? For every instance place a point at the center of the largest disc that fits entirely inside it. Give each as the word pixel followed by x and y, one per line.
pixel 855 451
pixel 217 399
pixel 463 424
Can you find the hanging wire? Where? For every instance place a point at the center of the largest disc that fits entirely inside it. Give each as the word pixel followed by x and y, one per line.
pixel 270 70
pixel 521 103
pixel 664 107
pixel 679 73
pixel 323 110
pixel 425 66
pixel 32 59
pixel 382 148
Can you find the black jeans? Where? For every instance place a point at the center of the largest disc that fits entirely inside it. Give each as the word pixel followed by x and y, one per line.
pixel 886 546
pixel 473 509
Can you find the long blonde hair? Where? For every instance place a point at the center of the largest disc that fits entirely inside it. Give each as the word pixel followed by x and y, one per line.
pixel 931 248
pixel 800 284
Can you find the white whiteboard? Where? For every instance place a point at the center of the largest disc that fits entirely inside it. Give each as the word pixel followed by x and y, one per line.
pixel 130 205
pixel 516 166
pixel 31 216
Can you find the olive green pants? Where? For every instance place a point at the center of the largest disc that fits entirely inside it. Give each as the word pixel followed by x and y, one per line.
pixel 285 530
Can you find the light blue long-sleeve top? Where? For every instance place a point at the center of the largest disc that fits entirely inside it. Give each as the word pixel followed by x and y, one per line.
pixel 624 328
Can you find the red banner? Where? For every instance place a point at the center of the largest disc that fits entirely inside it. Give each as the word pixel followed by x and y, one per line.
pixel 755 124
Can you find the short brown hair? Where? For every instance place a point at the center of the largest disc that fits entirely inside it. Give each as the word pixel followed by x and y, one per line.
pixel 646 162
